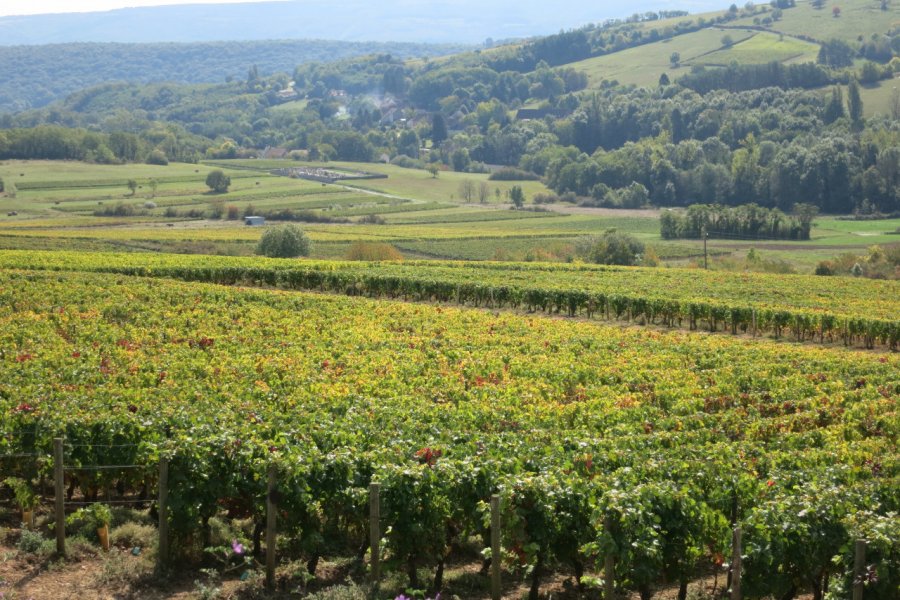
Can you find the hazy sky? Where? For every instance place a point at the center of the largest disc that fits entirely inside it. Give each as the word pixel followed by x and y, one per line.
pixel 34 7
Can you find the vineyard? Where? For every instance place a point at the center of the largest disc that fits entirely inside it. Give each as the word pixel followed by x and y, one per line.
pixel 635 444
pixel 807 308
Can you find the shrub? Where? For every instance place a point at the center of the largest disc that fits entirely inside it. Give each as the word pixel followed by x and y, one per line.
pixel 402 160
pixel 158 157
pixel 545 198
pixel 826 267
pixel 373 251
pixel 118 210
pixel 513 174
pixel 134 535
pixel 372 219
pixel 30 542
pixel 216 209
pixel 611 248
pixel 284 241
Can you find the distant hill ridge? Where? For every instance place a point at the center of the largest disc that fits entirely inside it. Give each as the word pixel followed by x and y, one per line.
pixel 34 76
pixel 436 21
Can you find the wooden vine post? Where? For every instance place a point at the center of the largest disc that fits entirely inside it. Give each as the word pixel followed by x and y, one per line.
pixel 736 565
pixel 375 535
pixel 162 558
pixel 859 569
pixel 609 566
pixel 496 552
pixel 271 522
pixel 60 496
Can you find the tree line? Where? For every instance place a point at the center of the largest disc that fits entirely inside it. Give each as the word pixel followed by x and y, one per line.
pixel 748 221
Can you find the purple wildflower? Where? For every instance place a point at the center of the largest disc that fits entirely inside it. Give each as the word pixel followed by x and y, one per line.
pixel 237 547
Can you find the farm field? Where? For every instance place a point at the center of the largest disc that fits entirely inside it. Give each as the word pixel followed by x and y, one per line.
pixel 424 217
pixel 595 437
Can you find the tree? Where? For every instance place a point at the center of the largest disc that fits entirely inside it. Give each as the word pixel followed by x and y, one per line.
pixel 460 159
pixel 664 80
pixel 675 59
pixel 132 185
pixel 869 73
pixel 517 196
pixel 218 181
pixel 438 128
pixel 805 213
pixel 284 241
pixel 854 101
pixel 1 184
pixel 727 41
pixel 154 184
pixel 466 190
pixel 836 53
pixel 408 143
pixel 834 109
pixel 836 12
pixel 484 190
pixel 433 169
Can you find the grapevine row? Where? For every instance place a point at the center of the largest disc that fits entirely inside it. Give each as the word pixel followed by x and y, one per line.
pixel 636 443
pixel 494 287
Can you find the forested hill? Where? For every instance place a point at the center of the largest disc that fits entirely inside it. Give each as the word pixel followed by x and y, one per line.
pixel 435 21
pixel 34 76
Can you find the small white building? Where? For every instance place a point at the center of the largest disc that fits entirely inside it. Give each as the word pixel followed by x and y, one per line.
pixel 254 221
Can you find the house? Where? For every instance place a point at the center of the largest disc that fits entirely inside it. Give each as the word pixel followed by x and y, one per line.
pixel 254 221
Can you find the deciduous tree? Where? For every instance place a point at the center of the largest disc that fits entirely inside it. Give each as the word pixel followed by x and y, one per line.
pixel 218 181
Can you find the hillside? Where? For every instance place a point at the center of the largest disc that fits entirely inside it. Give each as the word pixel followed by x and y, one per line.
pixel 664 109
pixel 34 76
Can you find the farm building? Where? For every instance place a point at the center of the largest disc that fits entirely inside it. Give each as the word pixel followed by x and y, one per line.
pixel 254 221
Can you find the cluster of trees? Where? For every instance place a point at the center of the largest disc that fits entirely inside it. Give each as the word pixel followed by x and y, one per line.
pixel 737 78
pixel 749 221
pixel 769 146
pixel 53 142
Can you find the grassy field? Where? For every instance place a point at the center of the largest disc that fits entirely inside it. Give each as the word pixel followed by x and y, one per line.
pixel 856 18
pixel 761 48
pixel 644 64
pixel 878 99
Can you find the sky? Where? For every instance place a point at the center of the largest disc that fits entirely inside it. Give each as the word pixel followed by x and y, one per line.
pixel 35 7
